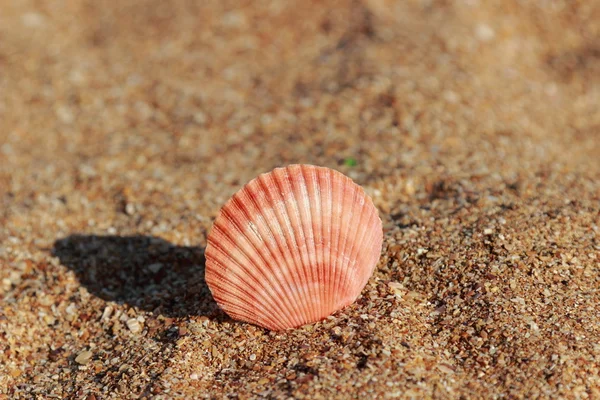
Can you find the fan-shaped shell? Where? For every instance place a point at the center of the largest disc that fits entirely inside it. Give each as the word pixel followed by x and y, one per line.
pixel 292 247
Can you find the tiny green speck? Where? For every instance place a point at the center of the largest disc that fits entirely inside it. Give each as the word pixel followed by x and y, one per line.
pixel 350 162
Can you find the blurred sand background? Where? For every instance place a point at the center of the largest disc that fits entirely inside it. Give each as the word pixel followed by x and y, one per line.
pixel 474 125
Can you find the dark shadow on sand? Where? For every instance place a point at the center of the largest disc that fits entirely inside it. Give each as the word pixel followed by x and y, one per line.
pixel 142 271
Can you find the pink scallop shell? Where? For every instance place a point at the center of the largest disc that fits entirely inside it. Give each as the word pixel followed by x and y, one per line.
pixel 292 247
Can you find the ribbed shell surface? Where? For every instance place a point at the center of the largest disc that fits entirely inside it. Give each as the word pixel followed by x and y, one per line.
pixel 292 247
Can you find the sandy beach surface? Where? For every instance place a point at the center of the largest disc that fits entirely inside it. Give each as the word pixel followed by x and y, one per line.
pixel 473 125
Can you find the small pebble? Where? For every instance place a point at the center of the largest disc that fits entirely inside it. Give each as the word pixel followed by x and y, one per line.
pixel 154 268
pixel 484 32
pixel 108 310
pixel 130 209
pixel 84 357
pixel 134 325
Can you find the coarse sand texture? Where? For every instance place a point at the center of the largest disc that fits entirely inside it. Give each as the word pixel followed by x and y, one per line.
pixel 473 127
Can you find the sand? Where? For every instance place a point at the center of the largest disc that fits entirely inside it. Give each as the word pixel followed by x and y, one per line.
pixel 474 125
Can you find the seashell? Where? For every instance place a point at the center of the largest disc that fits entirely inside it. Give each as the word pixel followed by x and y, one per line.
pixel 292 247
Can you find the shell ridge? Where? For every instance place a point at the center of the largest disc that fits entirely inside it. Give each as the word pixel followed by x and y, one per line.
pixel 309 238
pixel 275 255
pixel 236 306
pixel 294 250
pixel 272 260
pixel 274 305
pixel 268 275
pixel 370 259
pixel 365 238
pixel 314 260
pixel 358 237
pixel 303 241
pixel 238 303
pixel 375 242
pixel 243 286
pixel 374 223
pixel 321 240
pixel 281 220
pixel 338 252
pixel 332 244
pixel 326 206
pixel 297 303
pixel 342 256
pixel 316 223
